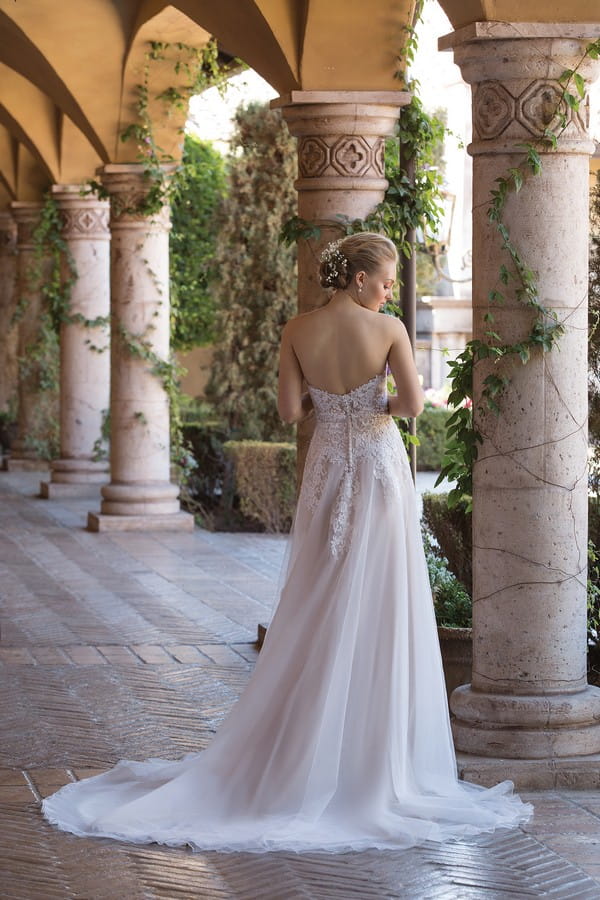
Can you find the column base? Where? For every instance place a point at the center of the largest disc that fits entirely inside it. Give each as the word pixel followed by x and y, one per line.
pixel 50 490
pixel 543 727
pixel 80 471
pixel 574 772
pixel 16 464
pixel 140 499
pixel 179 521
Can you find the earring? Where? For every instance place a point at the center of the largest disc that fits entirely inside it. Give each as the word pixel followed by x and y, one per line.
pixel 360 288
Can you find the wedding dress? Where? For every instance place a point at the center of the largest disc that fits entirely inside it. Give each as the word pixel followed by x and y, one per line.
pixel 341 739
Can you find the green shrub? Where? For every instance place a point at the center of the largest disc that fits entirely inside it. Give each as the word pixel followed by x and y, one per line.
pixel 594 519
pixel 452 604
pixel 198 190
pixel 431 431
pixel 206 485
pixel 255 285
pixel 265 481
pixel 451 528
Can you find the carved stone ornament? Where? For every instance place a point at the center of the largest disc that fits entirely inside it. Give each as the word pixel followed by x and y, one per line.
pixel 313 157
pixel 532 111
pixel 27 222
pixel 538 105
pixel 348 156
pixel 87 222
pixel 493 109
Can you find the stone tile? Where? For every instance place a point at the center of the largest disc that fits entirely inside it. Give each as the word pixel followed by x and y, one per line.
pixel 90 610
pixel 81 773
pixel 49 656
pixel 85 656
pixel 119 656
pixel 223 655
pixel 16 795
pixel 249 651
pixel 47 781
pixel 16 656
pixel 152 654
pixel 186 653
pixel 14 777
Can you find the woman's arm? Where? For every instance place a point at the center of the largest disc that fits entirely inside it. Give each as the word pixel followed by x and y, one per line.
pixel 293 405
pixel 409 400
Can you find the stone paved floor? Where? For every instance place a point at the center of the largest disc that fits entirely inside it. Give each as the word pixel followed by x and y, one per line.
pixel 137 645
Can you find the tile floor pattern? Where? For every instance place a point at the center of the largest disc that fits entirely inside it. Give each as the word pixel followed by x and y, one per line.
pixel 132 645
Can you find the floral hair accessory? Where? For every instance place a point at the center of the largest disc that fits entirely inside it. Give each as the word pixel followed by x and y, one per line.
pixel 336 262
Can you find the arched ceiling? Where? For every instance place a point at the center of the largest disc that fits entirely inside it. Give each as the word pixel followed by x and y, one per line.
pixel 69 70
pixel 88 60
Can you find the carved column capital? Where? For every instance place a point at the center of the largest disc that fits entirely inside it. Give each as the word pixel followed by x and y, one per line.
pixel 128 186
pixel 8 233
pixel 341 136
pixel 514 71
pixel 84 216
pixel 27 216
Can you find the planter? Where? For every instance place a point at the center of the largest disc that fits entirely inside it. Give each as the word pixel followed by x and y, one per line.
pixel 456 645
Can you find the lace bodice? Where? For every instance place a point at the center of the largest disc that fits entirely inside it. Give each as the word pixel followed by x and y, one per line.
pixel 351 428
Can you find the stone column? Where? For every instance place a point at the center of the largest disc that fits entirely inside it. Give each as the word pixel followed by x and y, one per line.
pixel 84 349
pixel 32 400
pixel 529 699
pixel 8 330
pixel 341 147
pixel 140 495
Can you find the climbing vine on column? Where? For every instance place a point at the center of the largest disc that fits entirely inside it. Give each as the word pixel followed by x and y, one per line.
pixel 546 328
pixel 194 69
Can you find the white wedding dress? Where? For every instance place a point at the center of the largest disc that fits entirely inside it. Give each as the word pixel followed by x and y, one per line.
pixel 341 739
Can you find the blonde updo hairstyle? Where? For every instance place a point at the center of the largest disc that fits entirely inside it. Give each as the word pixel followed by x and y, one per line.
pixel 363 252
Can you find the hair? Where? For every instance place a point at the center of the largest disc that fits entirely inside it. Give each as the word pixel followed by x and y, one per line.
pixel 363 252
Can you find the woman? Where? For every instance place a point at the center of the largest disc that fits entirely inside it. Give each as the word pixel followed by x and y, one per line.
pixel 341 739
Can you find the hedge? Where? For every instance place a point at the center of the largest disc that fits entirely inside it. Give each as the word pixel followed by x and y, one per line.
pixel 265 481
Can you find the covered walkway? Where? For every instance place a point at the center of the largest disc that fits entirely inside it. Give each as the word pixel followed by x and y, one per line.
pixel 136 645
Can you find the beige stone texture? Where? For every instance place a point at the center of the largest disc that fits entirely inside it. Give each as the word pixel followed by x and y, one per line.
pixel 84 350
pixel 31 398
pixel 529 696
pixel 140 488
pixel 8 294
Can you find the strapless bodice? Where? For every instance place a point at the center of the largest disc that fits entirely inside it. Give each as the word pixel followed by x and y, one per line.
pixel 363 404
pixel 352 430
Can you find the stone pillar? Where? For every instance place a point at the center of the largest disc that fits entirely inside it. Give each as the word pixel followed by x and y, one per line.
pixel 140 495
pixel 341 147
pixel 84 350
pixel 8 330
pixel 32 400
pixel 529 699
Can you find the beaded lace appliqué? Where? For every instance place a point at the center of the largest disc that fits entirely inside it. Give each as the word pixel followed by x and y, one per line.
pixel 350 428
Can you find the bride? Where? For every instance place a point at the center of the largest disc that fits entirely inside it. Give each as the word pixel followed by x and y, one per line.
pixel 341 739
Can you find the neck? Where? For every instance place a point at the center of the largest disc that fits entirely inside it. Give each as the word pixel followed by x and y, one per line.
pixel 351 296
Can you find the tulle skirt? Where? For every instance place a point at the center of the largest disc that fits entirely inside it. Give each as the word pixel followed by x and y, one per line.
pixel 341 739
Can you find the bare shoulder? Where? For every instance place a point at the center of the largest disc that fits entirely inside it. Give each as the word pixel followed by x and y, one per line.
pixel 299 321
pixel 395 327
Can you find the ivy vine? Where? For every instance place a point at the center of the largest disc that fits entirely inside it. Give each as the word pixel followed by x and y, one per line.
pixel 202 69
pixel 52 273
pixel 463 437
pixel 416 204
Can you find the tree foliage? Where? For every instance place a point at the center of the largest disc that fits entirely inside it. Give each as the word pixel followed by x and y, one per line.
pixel 594 338
pixel 255 288
pixel 197 194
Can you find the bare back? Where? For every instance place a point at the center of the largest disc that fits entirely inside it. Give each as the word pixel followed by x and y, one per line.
pixel 341 345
